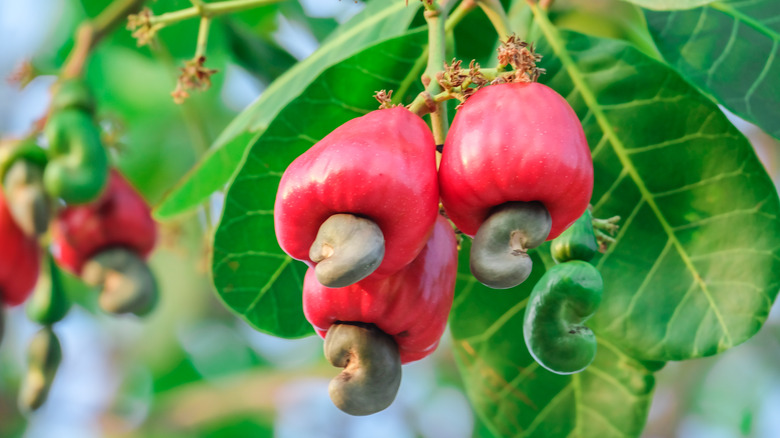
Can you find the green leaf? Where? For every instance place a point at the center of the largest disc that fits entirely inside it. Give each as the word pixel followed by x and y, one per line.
pixel 696 265
pixel 516 397
pixel 730 50
pixel 378 21
pixel 259 55
pixel 669 5
pixel 251 273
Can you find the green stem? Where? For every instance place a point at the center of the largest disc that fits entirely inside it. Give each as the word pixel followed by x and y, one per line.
pixel 420 104
pixel 203 37
pixel 497 16
pixel 91 32
pixel 459 14
pixel 437 45
pixel 209 10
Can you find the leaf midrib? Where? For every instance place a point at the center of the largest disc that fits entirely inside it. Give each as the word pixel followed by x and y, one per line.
pixel 551 34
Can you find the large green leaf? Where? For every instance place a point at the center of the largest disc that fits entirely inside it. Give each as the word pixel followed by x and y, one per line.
pixel 668 5
pixel 729 49
pixel 378 21
pixel 514 396
pixel 252 274
pixel 696 266
pixel 694 270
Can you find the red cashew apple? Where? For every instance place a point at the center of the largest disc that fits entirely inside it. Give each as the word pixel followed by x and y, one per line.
pixel 120 217
pixel 106 243
pixel 402 317
pixel 362 200
pixel 19 259
pixel 515 171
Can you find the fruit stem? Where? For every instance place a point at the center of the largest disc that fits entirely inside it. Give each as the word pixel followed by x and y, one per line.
pixel 203 37
pixel 435 17
pixel 208 10
pixel 91 32
pixel 497 16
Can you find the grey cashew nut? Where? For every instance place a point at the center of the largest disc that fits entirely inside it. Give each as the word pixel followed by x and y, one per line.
pixel 372 368
pixel 27 199
pixel 128 284
pixel 347 249
pixel 499 254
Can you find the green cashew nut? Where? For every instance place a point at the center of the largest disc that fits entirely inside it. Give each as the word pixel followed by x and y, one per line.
pixel 372 368
pixel 578 242
pixel 49 303
pixel 128 284
pixel 347 249
pixel 560 303
pixel 43 358
pixel 78 169
pixel 499 254
pixel 2 323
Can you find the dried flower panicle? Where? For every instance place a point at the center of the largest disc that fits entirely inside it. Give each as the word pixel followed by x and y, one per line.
pixel 141 24
pixel 22 74
pixel 194 76
pixel 521 56
pixel 462 83
pixel 385 99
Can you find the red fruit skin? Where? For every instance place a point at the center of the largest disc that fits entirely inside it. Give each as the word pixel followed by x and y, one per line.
pixel 120 217
pixel 411 305
pixel 19 260
pixel 515 142
pixel 381 166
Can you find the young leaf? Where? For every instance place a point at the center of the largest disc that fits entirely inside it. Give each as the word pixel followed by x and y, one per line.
pixel 729 49
pixel 251 273
pixel 378 21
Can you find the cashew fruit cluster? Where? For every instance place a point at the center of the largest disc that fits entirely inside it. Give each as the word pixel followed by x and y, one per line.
pixel 106 242
pixel 360 208
pixel 78 167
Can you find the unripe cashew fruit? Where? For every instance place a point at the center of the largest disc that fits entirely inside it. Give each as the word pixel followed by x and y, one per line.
pixel 19 259
pixel 515 142
pixel 49 303
pixel 578 242
pixel 379 168
pixel 565 297
pixel 78 169
pixel 410 308
pixel 43 358
pixel 372 368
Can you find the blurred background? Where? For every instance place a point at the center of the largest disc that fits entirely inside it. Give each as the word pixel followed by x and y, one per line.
pixel 192 369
